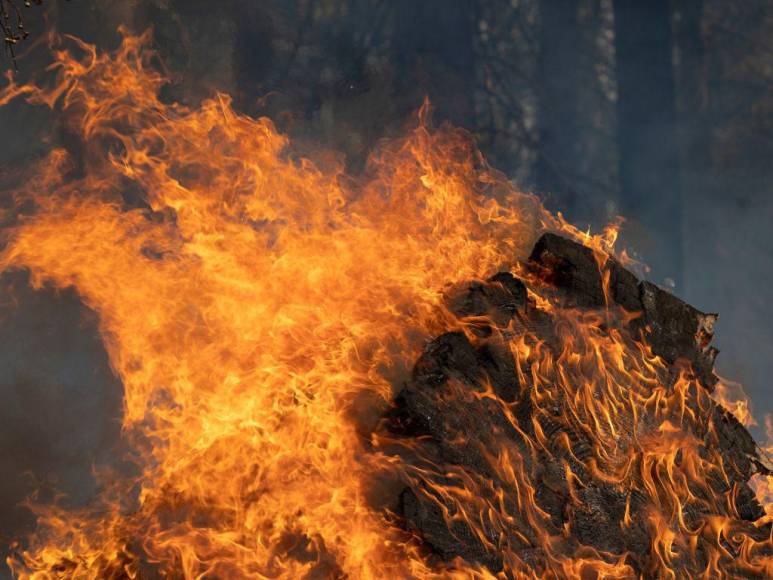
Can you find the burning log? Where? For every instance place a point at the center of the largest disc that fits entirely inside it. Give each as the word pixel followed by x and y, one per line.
pixel 674 329
pixel 623 470
pixel 575 270
pixel 561 427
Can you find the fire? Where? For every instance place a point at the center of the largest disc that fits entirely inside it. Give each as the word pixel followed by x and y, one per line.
pixel 262 309
pixel 763 484
pixel 734 399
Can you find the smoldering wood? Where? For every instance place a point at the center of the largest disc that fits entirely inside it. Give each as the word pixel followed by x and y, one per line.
pixel 675 330
pixel 574 269
pixel 443 412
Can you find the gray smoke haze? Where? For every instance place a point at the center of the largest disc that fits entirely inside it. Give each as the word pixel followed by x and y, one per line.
pixel 61 407
pixel 346 78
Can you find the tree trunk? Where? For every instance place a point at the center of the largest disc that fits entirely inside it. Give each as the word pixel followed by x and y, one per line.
pixel 694 142
pixel 432 51
pixel 647 134
pixel 560 72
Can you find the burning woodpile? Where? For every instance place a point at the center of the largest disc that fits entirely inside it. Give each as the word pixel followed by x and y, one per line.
pixel 592 469
pixel 263 312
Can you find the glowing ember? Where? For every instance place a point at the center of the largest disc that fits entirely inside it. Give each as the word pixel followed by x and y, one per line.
pixel 262 311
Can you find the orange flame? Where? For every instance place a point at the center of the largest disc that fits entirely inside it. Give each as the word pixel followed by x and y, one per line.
pixel 258 309
pixel 733 397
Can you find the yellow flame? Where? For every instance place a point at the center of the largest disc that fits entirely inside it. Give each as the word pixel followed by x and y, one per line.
pixel 259 310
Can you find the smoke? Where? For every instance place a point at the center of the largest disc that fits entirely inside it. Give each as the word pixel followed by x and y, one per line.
pixel 61 406
pixel 730 270
pixel 61 402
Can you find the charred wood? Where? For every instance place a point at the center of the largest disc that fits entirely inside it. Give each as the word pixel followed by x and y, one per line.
pixel 473 419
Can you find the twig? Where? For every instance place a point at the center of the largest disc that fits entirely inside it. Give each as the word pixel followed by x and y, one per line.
pixel 12 25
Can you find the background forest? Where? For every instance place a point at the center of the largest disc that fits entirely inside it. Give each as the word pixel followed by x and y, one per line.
pixel 660 111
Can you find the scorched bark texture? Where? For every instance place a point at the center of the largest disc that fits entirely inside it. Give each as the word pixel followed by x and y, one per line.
pixel 444 410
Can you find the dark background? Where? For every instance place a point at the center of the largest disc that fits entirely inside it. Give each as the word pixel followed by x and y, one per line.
pixel 660 111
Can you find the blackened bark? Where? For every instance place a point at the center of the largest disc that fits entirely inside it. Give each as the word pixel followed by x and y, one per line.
pixel 675 330
pixel 457 430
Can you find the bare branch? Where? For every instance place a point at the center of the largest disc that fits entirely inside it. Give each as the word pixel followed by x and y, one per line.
pixel 12 25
